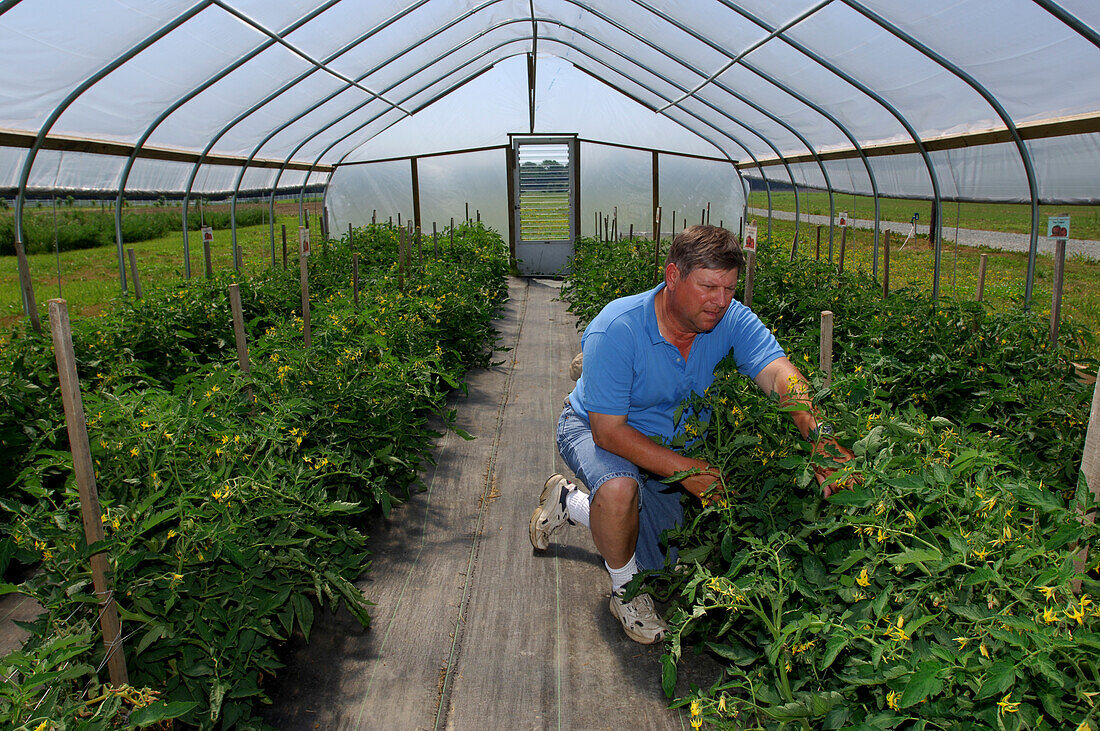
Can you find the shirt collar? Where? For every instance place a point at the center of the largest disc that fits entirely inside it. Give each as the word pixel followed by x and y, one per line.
pixel 651 327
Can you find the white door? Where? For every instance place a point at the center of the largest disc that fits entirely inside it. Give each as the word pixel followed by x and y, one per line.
pixel 544 197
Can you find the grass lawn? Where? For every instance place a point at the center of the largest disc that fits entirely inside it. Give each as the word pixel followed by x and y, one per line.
pixel 1010 217
pixel 89 279
pixel 1005 278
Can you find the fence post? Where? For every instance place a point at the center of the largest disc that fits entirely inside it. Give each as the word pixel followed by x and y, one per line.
pixel 27 286
pixel 355 277
pixel 1056 298
pixel 84 470
pixel 825 358
pixel 980 292
pixel 374 217
pixel 207 263
pixel 350 234
pixel 134 272
pixel 419 247
pixel 750 276
pixel 435 239
pixel 303 274
pixel 817 255
pixel 886 264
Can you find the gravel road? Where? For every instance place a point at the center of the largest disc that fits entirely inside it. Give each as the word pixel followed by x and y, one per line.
pixel 967 237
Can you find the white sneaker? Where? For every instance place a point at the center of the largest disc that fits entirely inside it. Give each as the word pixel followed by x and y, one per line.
pixel 551 513
pixel 639 618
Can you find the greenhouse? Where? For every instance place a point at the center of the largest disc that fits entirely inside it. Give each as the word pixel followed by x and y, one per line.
pixel 292 294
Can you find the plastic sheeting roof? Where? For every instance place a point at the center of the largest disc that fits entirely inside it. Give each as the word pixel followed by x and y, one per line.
pixel 977 99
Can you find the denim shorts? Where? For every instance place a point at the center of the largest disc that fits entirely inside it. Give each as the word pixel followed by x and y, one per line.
pixel 659 504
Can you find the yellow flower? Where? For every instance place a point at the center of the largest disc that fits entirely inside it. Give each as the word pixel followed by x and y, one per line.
pixel 864 578
pixel 892 701
pixel 695 705
pixel 172 533
pixel 145 425
pixel 722 704
pixel 135 452
pixel 1049 616
pixel 696 722
pixel 1008 706
pixel 881 535
pixel 1048 592
pixel 984 650
pixel 981 553
pixel 962 641
pixel 168 435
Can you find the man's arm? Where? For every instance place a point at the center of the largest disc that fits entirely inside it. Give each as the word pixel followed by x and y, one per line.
pixel 612 433
pixel 782 378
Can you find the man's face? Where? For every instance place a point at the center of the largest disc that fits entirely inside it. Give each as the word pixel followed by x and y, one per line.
pixel 700 299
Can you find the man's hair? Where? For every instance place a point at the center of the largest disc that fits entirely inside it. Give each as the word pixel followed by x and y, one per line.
pixel 705 247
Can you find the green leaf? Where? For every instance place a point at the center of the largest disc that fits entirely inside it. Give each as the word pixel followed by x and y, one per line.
pixel 916 555
pixel 833 647
pixel 858 497
pixel 668 675
pixel 923 683
pixel 162 711
pixel 1000 677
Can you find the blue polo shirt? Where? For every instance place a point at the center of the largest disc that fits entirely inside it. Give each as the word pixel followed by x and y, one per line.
pixel 629 367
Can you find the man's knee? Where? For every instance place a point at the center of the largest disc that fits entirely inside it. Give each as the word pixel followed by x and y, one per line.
pixel 619 494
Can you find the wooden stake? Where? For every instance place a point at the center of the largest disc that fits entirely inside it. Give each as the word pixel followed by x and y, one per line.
pixel 1056 298
pixel 886 264
pixel 238 327
pixel 355 277
pixel 419 247
pixel 980 292
pixel 351 234
pixel 303 275
pixel 750 276
pixel 817 254
pixel 27 286
pixel 825 360
pixel 207 261
pixel 374 216
pixel 435 240
pixel 657 246
pixel 84 471
pixel 630 236
pixel 401 259
pixel 134 272
pixel 843 241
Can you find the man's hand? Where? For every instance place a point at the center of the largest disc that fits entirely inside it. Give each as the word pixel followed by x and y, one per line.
pixel 832 451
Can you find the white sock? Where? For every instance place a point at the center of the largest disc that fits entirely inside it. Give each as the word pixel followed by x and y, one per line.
pixel 621 577
pixel 576 504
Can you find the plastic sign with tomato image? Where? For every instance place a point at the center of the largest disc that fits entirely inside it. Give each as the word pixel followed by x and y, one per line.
pixel 844 219
pixel 750 238
pixel 1058 227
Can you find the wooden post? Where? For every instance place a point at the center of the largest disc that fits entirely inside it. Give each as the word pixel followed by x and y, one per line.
pixel 134 272
pixel 597 234
pixel 238 327
pixel 419 247
pixel 303 275
pixel 206 260
pixel 657 246
pixel 435 239
pixel 703 218
pixel 467 211
pixel 478 212
pixel 630 236
pixel 84 471
pixel 351 234
pixel 980 292
pixel 355 277
pixel 817 255
pixel 1056 298
pixel 843 241
pixel 886 264
pixel 27 286
pixel 673 228
pixel 825 359
pixel 374 216
pixel 324 221
pixel 284 247
pixel 1090 469
pixel 238 254
pixel 401 258
pixel 750 276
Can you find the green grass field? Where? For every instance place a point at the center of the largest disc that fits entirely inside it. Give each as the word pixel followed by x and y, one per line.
pixel 1006 272
pixel 89 281
pixel 1009 217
